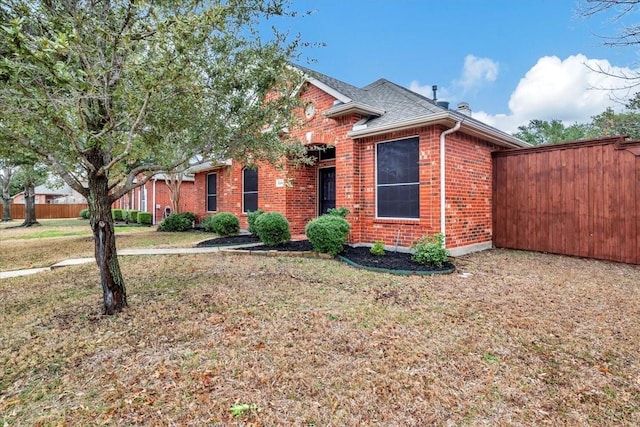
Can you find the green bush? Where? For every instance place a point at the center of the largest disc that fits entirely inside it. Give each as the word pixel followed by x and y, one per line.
pixel 85 214
pixel 272 228
pixel 176 222
pixel 328 233
pixel 222 223
pixel 430 250
pixel 189 215
pixel 133 216
pixel 377 249
pixel 341 212
pixel 145 218
pixel 117 214
pixel 251 219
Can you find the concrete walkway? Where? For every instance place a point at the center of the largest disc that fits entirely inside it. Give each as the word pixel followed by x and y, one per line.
pixel 124 252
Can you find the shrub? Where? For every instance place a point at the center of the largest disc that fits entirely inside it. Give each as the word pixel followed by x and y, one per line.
pixel 328 233
pixel 222 223
pixel 85 214
pixel 272 228
pixel 176 222
pixel 377 249
pixel 145 218
pixel 251 219
pixel 341 211
pixel 117 214
pixel 430 250
pixel 189 215
pixel 133 216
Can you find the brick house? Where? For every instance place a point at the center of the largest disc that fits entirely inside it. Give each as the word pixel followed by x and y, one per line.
pixel 154 197
pixel 382 159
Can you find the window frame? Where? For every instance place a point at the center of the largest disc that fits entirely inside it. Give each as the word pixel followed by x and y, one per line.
pixel 415 184
pixel 214 194
pixel 245 193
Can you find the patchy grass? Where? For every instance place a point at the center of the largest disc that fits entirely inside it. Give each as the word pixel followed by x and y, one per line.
pixel 56 240
pixel 525 339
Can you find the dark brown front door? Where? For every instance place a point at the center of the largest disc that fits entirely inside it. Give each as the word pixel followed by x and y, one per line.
pixel 327 186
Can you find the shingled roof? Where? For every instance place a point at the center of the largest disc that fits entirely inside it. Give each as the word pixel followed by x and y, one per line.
pixel 386 106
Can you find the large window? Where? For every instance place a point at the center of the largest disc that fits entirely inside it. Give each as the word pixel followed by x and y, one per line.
pixel 249 190
pixel 212 192
pixel 398 179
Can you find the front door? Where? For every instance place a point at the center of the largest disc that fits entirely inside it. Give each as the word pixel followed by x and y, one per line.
pixel 327 186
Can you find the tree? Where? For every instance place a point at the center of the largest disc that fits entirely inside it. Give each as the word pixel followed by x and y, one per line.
pixel 104 91
pixel 28 175
pixel 7 171
pixel 628 35
pixel 551 132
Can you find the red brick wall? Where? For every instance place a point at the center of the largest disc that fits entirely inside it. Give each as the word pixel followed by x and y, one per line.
pixel 188 198
pixel 468 190
pixel 469 174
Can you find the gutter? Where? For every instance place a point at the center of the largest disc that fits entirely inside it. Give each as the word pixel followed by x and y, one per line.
pixel 472 127
pixel 153 205
pixel 443 196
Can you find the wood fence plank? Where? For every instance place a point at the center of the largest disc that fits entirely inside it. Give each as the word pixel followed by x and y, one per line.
pixel 576 199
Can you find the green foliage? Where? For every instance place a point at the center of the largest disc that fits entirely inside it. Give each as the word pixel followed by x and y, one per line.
pixel 240 409
pixel 552 132
pixel 117 214
pixel 222 223
pixel 177 222
pixel 133 215
pixel 145 218
pixel 251 219
pixel 341 211
pixel 85 214
pixel 272 228
pixel 430 250
pixel 328 233
pixel 377 249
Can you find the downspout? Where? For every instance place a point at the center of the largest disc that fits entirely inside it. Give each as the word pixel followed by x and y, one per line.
pixel 153 205
pixel 443 198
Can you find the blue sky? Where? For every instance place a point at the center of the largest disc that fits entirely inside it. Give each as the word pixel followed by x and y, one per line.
pixel 511 60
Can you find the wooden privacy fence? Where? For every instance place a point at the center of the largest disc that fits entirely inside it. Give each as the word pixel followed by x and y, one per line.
pixel 580 198
pixel 49 211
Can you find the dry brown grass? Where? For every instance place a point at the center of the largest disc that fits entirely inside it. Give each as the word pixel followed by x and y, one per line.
pixel 22 248
pixel 525 339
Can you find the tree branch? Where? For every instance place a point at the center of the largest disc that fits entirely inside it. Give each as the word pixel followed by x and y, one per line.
pixel 132 131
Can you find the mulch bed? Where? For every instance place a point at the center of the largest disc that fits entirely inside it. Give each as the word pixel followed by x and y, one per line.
pixel 361 256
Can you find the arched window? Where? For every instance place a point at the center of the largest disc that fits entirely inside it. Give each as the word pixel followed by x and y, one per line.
pixel 249 190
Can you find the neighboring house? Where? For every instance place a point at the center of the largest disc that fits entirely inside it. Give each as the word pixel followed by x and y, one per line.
pixel 381 156
pixel 154 197
pixel 46 193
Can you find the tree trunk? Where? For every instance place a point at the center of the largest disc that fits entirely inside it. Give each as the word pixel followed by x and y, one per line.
pixel 113 289
pixel 30 206
pixel 174 182
pixel 6 194
pixel 6 209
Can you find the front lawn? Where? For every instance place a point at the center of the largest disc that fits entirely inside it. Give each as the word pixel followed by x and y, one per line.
pixel 511 338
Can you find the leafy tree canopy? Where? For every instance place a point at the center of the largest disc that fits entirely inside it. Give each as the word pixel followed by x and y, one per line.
pixel 110 92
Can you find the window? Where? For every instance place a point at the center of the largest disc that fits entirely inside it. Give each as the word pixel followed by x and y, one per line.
pixel 143 199
pixel 249 190
pixel 398 181
pixel 212 192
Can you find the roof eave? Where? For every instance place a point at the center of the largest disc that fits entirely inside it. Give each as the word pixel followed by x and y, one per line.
pixel 470 127
pixel 353 108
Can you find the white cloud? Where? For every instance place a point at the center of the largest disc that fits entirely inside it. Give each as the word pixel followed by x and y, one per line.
pixel 476 71
pixel 570 90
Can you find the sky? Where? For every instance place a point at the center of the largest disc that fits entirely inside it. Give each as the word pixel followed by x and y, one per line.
pixel 511 60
